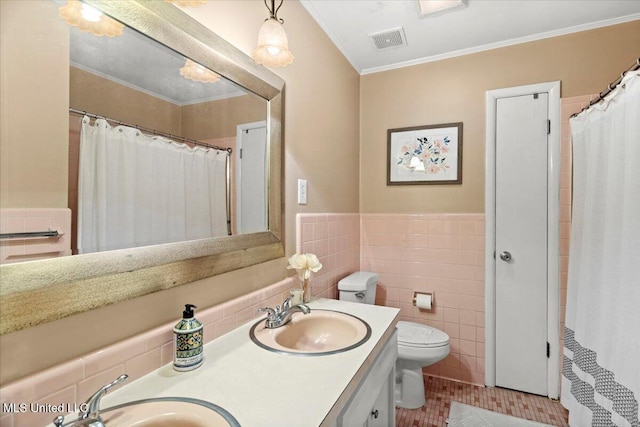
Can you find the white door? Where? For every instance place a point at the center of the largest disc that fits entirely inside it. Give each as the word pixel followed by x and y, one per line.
pixel 521 242
pixel 251 184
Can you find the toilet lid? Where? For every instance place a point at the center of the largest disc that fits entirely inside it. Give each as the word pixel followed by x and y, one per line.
pixel 418 335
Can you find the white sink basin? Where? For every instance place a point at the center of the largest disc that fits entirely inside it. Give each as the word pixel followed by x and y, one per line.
pixel 320 332
pixel 168 412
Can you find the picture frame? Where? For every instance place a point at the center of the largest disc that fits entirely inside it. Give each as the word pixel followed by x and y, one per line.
pixel 430 154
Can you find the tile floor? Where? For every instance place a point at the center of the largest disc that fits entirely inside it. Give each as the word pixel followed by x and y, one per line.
pixel 440 393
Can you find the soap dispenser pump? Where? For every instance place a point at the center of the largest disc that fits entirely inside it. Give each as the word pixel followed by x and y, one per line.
pixel 187 343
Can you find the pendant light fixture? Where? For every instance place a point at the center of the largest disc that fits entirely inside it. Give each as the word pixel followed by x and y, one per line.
pixel 89 19
pixel 273 47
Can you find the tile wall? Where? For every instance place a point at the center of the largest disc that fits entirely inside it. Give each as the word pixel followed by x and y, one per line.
pixel 443 254
pixel 15 220
pixel 335 239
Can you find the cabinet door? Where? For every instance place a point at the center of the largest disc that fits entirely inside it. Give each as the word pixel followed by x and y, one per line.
pixel 381 375
pixel 383 411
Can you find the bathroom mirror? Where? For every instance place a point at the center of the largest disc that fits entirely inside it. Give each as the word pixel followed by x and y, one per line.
pixel 41 291
pixel 159 105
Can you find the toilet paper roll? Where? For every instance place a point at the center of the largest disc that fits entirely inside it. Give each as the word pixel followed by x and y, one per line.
pixel 423 301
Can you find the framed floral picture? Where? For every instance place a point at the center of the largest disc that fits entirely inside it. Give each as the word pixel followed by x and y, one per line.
pixel 429 154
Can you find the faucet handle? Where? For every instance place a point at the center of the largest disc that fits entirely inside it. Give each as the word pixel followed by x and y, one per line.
pixel 93 403
pixel 58 421
pixel 286 305
pixel 271 313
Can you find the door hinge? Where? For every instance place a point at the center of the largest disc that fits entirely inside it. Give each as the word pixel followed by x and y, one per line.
pixel 548 350
pixel 241 154
pixel 548 127
pixel 535 96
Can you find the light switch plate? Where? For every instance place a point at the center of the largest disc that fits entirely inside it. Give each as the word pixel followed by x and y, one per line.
pixel 302 191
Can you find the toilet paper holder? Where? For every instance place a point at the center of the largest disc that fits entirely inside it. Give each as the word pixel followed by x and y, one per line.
pixel 415 296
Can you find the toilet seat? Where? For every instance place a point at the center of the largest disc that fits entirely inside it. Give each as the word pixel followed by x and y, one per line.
pixel 416 335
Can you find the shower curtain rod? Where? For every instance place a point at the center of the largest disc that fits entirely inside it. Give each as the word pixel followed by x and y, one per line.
pixel 153 131
pixel 609 88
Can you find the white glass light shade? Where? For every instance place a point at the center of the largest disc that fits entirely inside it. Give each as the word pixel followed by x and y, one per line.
pixel 428 7
pixel 273 47
pixel 198 73
pixel 89 19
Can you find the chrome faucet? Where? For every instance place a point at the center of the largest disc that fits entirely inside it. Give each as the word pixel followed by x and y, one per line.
pixel 281 315
pixel 89 415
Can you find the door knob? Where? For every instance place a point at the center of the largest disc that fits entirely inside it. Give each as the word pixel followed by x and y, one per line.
pixel 505 256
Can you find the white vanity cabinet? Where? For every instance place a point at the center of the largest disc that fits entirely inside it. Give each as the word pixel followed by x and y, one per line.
pixel 373 403
pixel 239 376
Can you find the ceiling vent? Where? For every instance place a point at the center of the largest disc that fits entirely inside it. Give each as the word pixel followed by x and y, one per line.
pixel 390 38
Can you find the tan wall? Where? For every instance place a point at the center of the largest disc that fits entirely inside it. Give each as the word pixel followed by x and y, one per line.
pixel 205 120
pixel 321 145
pixel 106 98
pixel 34 97
pixel 453 90
pixel 219 119
pixel 321 125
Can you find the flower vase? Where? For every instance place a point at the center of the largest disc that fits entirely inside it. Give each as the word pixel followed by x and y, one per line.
pixel 306 290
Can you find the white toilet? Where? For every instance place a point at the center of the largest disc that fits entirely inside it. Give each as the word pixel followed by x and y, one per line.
pixel 418 345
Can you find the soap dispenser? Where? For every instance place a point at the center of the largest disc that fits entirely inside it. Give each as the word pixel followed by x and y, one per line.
pixel 187 343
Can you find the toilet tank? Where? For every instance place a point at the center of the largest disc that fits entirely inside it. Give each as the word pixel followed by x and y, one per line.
pixel 359 287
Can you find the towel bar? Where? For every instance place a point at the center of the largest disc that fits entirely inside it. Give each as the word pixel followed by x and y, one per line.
pixel 31 234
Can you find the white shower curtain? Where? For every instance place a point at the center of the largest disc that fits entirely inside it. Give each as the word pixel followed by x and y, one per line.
pixel 137 190
pixel 601 355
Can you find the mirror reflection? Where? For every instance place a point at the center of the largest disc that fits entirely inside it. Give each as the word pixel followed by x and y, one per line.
pixel 36 95
pixel 160 150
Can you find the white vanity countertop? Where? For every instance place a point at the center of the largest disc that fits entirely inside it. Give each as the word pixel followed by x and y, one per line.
pixel 263 388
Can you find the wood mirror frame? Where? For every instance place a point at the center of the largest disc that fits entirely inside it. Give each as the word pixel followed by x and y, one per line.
pixel 37 292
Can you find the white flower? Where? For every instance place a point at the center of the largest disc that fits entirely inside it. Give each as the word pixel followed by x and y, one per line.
pixel 304 264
